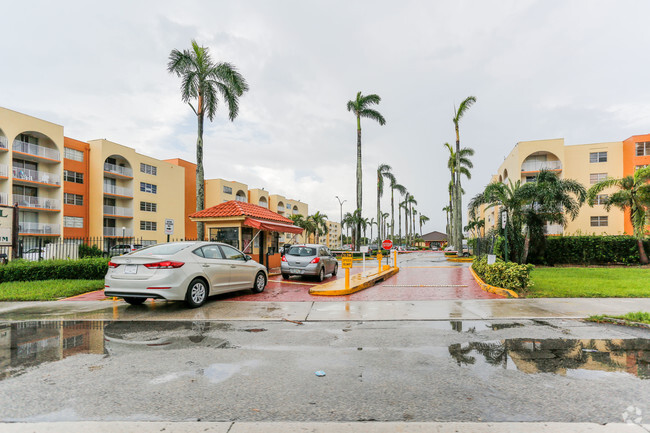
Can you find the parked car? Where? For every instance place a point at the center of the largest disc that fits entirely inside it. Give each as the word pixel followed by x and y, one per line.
pixel 118 250
pixel 177 271
pixel 309 259
pixel 34 254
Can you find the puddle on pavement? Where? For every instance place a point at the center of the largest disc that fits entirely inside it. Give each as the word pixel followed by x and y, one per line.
pixel 30 343
pixel 471 326
pixel 587 358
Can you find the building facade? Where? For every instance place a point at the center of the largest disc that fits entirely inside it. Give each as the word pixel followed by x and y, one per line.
pixel 331 239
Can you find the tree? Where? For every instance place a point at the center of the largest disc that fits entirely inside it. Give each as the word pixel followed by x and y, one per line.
pixel 447 210
pixel 360 107
pixel 383 171
pixel 320 224
pixel 384 217
pixel 347 222
pixel 462 160
pixel 371 223
pixel 204 80
pixel 364 226
pixel 633 195
pixel 410 201
pixel 394 186
pixel 458 204
pixel 300 221
pixel 403 205
pixel 423 220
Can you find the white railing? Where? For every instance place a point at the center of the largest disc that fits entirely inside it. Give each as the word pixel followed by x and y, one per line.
pixel 117 231
pixel 112 168
pixel 4 198
pixel 4 143
pixel 4 170
pixel 118 190
pixel 36 150
pixel 541 165
pixel 39 228
pixel 118 211
pixel 36 176
pixel 37 202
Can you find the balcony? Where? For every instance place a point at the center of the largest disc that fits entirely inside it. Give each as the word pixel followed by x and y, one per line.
pixel 4 143
pixel 36 152
pixel 47 204
pixel 4 171
pixel 116 170
pixel 26 176
pixel 541 165
pixel 118 190
pixel 4 198
pixel 119 212
pixel 39 229
pixel 117 232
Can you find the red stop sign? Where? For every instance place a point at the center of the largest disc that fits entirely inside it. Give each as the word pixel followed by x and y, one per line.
pixel 387 244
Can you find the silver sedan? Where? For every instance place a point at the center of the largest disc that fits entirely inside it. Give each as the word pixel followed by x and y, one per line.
pixel 177 271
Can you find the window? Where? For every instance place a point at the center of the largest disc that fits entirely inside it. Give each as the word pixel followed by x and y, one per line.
pixel 150 226
pixel 209 252
pixel 148 169
pixel 599 221
pixel 232 254
pixel 74 341
pixel 598 157
pixel 75 155
pixel 73 176
pixel 643 148
pixel 146 206
pixel 288 206
pixel 73 222
pixel 148 187
pixel 639 167
pixel 227 190
pixel 75 199
pixel 531 179
pixel 601 198
pixel 229 235
pixel 597 177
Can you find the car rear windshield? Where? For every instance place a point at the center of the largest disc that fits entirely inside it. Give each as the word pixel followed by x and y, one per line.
pixel 302 251
pixel 162 249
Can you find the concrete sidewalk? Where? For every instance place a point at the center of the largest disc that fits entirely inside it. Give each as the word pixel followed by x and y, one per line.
pixel 326 311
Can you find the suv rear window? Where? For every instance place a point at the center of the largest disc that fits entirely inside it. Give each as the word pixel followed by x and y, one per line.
pixel 302 251
pixel 162 249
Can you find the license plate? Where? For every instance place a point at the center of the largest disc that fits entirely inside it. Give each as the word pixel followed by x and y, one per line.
pixel 130 269
pixel 297 271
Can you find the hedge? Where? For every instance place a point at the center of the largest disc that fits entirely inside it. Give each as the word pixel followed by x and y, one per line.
pixel 590 250
pixel 82 269
pixel 506 275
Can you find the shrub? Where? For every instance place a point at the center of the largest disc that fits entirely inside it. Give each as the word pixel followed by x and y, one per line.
pixel 82 269
pixel 590 250
pixel 506 275
pixel 88 251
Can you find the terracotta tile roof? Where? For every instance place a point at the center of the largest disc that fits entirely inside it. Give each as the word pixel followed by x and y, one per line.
pixel 240 208
pixel 434 237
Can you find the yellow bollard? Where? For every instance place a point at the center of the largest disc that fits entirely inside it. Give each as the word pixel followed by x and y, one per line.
pixel 379 257
pixel 394 258
pixel 347 278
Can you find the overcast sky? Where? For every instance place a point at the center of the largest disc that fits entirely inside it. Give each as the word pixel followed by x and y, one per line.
pixel 539 69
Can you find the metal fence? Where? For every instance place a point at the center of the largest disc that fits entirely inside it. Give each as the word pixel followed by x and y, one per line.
pixel 482 246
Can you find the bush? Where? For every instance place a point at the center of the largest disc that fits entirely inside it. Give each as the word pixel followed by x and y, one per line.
pixel 506 275
pixel 88 251
pixel 590 250
pixel 82 269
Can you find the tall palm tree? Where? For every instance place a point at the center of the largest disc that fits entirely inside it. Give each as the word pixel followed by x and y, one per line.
pixel 400 206
pixel 364 225
pixel 384 218
pixel 360 106
pixel 410 201
pixel 348 222
pixel 205 80
pixel 320 224
pixel 462 160
pixel 633 195
pixel 383 171
pixel 447 210
pixel 458 204
pixel 371 223
pixel 394 186
pixel 300 221
pixel 423 220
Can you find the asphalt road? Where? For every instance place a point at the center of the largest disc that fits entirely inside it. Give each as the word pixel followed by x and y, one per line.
pixel 559 370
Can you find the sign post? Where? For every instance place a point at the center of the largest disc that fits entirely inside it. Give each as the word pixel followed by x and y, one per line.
pixel 346 263
pixel 364 250
pixel 169 227
pixel 387 244
pixel 9 229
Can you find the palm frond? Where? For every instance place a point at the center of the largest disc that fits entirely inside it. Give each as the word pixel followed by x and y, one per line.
pixel 371 99
pixel 463 107
pixel 374 115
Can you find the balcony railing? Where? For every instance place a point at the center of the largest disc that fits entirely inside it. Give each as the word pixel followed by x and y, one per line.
pixel 118 211
pixel 4 143
pixel 36 176
pixel 541 165
pixel 4 198
pixel 118 190
pixel 123 171
pixel 37 202
pixel 117 231
pixel 39 228
pixel 36 150
pixel 4 170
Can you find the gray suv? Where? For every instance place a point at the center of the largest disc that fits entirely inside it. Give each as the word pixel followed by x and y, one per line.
pixel 309 259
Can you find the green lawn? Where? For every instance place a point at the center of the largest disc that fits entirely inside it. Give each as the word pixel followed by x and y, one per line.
pixel 639 316
pixel 46 290
pixel 623 282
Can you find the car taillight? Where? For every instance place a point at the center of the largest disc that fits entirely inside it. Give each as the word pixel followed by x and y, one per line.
pixel 284 258
pixel 164 265
pixel 316 260
pixel 113 265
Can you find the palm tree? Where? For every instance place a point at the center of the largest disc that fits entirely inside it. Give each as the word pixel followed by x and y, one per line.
pixel 348 222
pixel 462 160
pixel 204 80
pixel 410 201
pixel 458 203
pixel 446 210
pixel 633 195
pixel 299 221
pixel 394 186
pixel 384 218
pixel 383 171
pixel 371 223
pixel 320 224
pixel 360 107
pixel 423 220
pixel 403 205
pixel 364 226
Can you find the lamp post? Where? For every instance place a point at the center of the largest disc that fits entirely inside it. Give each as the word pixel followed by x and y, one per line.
pixel 341 204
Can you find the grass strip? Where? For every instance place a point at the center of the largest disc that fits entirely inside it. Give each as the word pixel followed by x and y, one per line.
pixel 638 318
pixel 620 282
pixel 46 290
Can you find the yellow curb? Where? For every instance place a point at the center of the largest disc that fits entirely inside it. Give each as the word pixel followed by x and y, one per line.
pixel 492 289
pixel 460 259
pixel 357 282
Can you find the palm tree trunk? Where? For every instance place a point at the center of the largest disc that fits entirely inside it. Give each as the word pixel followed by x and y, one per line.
pixel 524 256
pixel 200 191
pixel 392 214
pixel 458 206
pixel 359 183
pixel 380 225
pixel 643 258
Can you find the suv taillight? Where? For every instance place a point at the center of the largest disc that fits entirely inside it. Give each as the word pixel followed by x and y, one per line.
pixel 113 265
pixel 316 260
pixel 164 265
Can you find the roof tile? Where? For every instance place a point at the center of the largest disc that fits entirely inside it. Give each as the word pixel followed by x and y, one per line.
pixel 240 208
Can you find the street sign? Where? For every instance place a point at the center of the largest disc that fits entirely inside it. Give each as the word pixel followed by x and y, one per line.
pixel 169 226
pixel 364 248
pixel 387 244
pixel 346 261
pixel 6 225
pixel 504 219
pixel 379 257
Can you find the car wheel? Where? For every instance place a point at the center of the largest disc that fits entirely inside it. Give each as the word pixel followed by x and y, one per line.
pixel 197 293
pixel 336 269
pixel 134 300
pixel 321 275
pixel 286 276
pixel 260 283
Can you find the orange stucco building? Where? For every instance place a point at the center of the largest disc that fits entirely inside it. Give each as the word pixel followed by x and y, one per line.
pixel 75 195
pixel 636 154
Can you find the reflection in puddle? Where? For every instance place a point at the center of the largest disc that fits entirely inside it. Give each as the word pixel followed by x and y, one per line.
pixel 575 358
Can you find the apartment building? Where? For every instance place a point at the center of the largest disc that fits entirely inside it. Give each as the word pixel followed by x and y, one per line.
pixel 586 163
pixel 331 239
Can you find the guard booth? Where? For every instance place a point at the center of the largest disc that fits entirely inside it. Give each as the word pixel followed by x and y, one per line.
pixel 253 229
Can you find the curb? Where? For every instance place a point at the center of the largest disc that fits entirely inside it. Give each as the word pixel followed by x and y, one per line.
pixel 355 286
pixel 460 259
pixel 492 289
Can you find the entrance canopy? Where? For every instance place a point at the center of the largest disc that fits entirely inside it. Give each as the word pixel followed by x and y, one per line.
pixel 272 226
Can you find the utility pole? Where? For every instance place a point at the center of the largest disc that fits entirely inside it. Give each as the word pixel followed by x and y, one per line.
pixel 341 205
